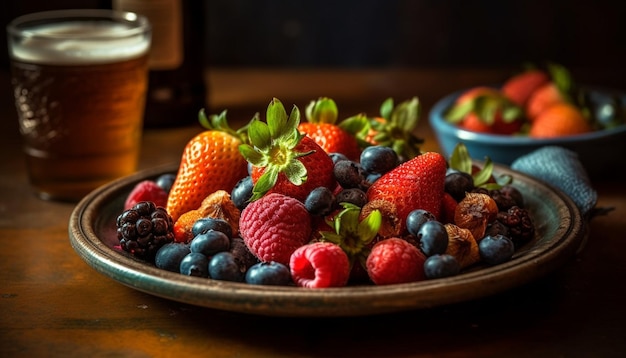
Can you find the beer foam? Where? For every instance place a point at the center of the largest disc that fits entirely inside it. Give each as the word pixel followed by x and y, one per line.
pixel 55 44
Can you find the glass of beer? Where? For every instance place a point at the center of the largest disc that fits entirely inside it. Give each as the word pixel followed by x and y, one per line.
pixel 80 81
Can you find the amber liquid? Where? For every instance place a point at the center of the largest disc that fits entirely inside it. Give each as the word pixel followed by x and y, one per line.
pixel 81 124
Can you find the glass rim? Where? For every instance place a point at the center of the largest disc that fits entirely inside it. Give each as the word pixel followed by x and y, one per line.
pixel 21 25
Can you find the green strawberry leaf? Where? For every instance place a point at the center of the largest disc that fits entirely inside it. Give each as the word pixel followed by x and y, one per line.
pixel 276 118
pixel 368 227
pixel 265 183
pixel 355 124
pixel 295 172
pixel 386 108
pixel 456 113
pixel 324 110
pixel 460 159
pixel 406 115
pixel 260 135
pixel 252 156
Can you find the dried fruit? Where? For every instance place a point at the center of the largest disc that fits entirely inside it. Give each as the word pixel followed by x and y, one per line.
pixel 462 246
pixel 475 212
pixel 216 205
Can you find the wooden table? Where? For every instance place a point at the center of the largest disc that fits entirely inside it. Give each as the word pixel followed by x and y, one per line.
pixel 53 304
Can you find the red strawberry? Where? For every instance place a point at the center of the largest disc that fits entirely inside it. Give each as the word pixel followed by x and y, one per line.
pixel 146 190
pixel 394 128
pixel 519 88
pixel 542 98
pixel 448 207
pixel 322 127
pixel 274 226
pixel 211 161
pixel 395 260
pixel 284 160
pixel 319 265
pixel 559 89
pixel 486 110
pixel 415 184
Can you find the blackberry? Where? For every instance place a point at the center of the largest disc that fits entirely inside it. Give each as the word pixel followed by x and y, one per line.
pixel 507 197
pixel 519 223
pixel 143 229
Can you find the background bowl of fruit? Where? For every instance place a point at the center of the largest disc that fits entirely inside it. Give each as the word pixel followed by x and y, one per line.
pixel 535 108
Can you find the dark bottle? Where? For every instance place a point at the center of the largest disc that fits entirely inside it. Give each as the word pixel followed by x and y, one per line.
pixel 177 89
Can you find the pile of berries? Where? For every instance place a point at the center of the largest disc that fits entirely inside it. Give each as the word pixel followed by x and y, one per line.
pixel 351 233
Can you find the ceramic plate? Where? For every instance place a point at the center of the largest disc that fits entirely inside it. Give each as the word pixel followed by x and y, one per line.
pixel 559 233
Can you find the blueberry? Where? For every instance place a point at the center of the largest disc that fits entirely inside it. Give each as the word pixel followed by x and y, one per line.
pixel 496 249
pixel 195 264
pixel 457 184
pixel 433 238
pixel 337 157
pixel 242 192
pixel 210 242
pixel 224 266
pixel 349 174
pixel 416 219
pixel 320 201
pixel 378 159
pixel 165 181
pixel 353 196
pixel 441 265
pixel 268 273
pixel 170 255
pixel 209 223
pixel 370 178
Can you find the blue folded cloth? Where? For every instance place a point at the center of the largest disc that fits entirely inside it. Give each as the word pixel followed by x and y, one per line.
pixel 561 168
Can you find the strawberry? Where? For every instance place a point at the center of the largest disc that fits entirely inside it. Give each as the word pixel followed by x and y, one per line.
pixel 146 190
pixel 274 226
pixel 559 89
pixel 353 234
pixel 414 184
pixel 519 87
pixel 284 160
pixel 210 161
pixel 560 119
pixel 394 128
pixel 448 207
pixel 395 260
pixel 486 110
pixel 322 128
pixel 542 98
pixel 319 265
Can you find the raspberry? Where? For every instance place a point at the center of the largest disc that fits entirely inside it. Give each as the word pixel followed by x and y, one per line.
pixel 146 190
pixel 395 260
pixel 143 229
pixel 319 265
pixel 274 226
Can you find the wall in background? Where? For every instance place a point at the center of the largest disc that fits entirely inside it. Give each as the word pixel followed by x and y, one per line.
pixel 380 33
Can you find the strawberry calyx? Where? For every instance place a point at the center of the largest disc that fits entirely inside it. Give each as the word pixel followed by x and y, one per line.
pixel 322 110
pixel 354 236
pixel 395 127
pixel 218 122
pixel 272 146
pixel 486 106
pixel 461 160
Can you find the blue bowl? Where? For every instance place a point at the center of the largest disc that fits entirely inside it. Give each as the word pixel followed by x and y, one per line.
pixel 601 152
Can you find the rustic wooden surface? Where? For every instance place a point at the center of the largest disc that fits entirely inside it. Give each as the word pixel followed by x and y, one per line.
pixel 53 304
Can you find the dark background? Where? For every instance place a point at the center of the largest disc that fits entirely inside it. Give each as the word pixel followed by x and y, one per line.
pixel 401 33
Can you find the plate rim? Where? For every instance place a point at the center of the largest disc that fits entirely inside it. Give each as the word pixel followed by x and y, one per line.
pixel 295 301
